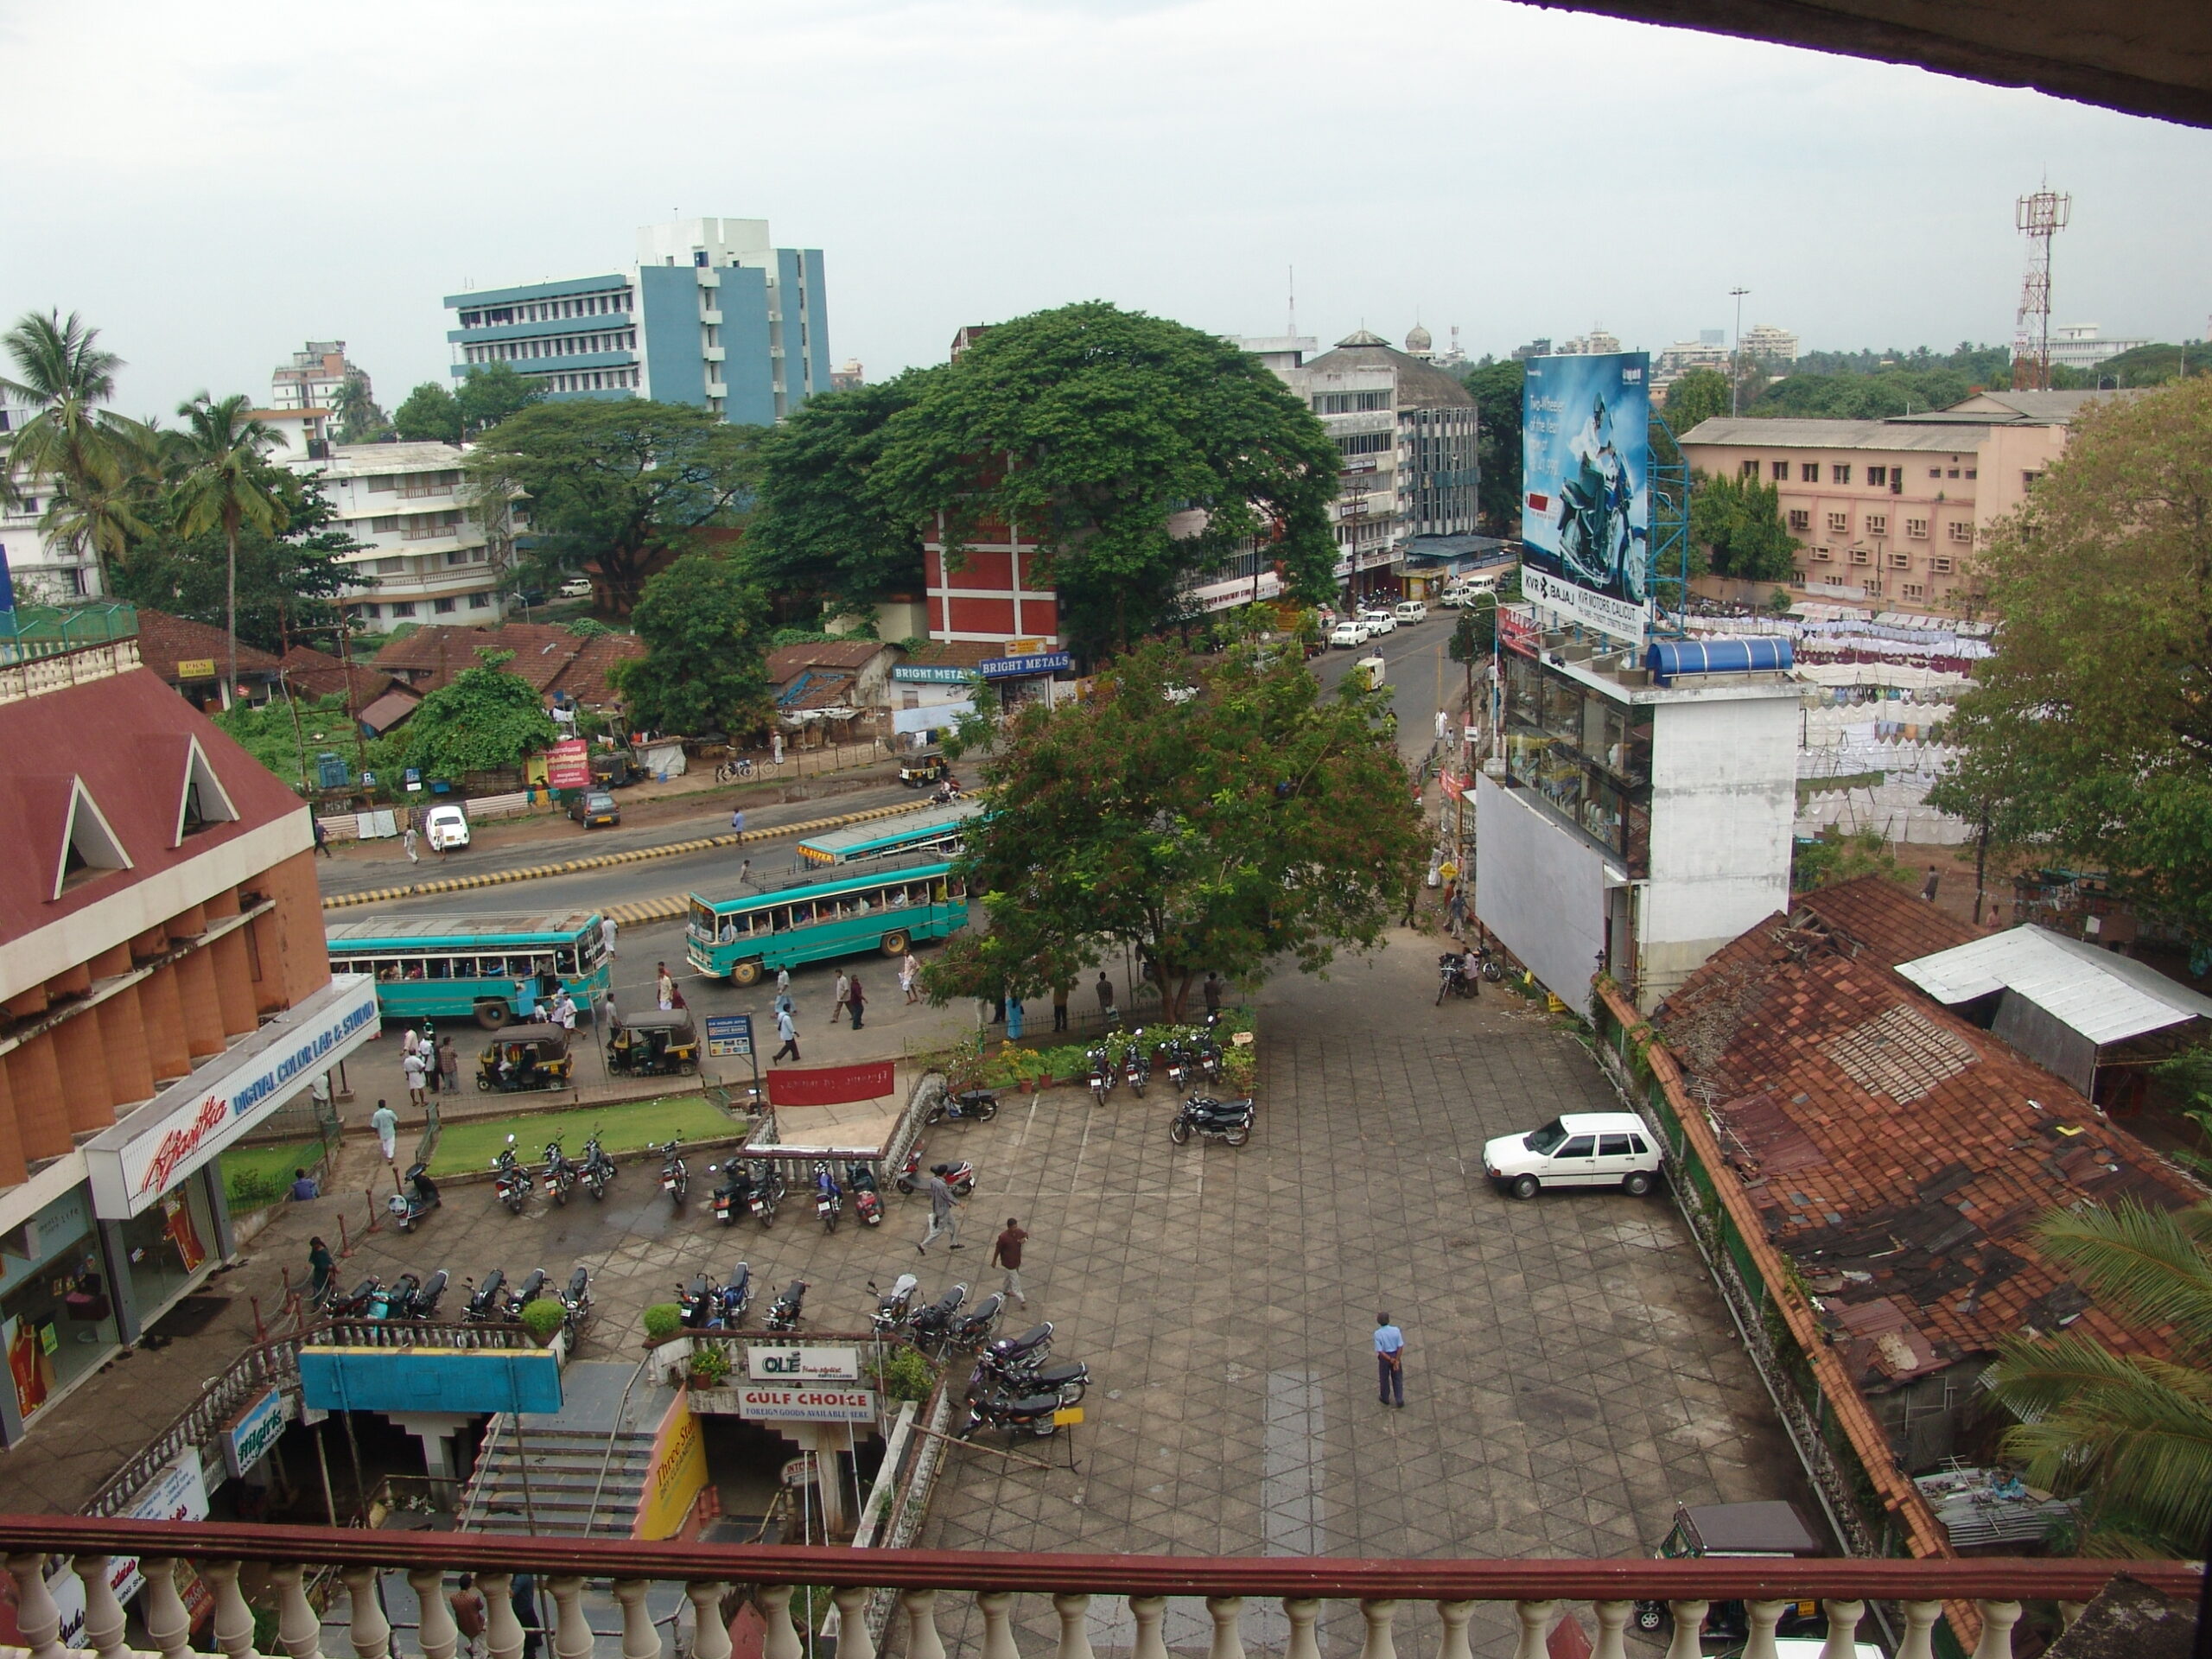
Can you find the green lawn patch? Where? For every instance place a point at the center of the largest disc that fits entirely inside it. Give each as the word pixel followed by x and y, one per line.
pixel 467 1144
pixel 255 1176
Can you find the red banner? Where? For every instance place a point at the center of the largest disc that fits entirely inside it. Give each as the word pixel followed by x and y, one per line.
pixel 568 765
pixel 831 1085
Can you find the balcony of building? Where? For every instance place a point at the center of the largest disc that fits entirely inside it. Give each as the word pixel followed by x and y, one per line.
pixel 42 648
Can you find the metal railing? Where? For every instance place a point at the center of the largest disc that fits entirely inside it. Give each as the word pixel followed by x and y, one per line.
pixel 253 1371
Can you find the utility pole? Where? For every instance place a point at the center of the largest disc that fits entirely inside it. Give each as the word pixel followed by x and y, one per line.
pixel 1736 357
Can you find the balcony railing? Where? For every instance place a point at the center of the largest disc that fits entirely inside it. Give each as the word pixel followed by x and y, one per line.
pixel 1983 1598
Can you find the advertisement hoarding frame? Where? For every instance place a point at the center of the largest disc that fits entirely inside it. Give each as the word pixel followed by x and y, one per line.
pixel 1586 490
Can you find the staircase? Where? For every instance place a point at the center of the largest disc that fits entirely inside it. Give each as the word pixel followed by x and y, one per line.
pixel 588 1463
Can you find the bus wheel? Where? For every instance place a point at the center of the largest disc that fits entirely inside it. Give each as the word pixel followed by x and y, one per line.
pixel 492 1015
pixel 894 945
pixel 746 973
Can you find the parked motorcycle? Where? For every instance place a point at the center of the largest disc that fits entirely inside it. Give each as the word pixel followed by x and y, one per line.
pixel 867 1202
pixel 767 1193
pixel 1205 1054
pixel 385 1301
pixel 423 1303
pixel 1136 1062
pixel 533 1287
pixel 510 1182
pixel 1069 1379
pixel 1215 1119
pixel 576 1300
pixel 560 1173
pixel 973 1329
pixel 695 1303
pixel 416 1198
pixel 1451 978
pixel 734 1197
pixel 675 1175
pixel 931 1325
pixel 487 1302
pixel 1178 1063
pixel 969 1106
pixel 735 1298
pixel 1103 1074
pixel 1010 1355
pixel 959 1175
pixel 828 1196
pixel 893 1307
pixel 785 1312
pixel 599 1170
pixel 1031 1414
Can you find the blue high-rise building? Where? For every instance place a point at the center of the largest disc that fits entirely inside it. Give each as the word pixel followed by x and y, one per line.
pixel 711 314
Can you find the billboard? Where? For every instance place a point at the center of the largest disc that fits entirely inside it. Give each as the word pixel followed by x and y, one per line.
pixel 1586 490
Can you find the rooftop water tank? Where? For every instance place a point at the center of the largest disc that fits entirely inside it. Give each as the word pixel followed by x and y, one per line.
pixel 1670 659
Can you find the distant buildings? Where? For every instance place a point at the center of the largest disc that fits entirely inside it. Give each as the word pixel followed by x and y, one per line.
pixel 1596 343
pixel 2079 345
pixel 1764 343
pixel 428 554
pixel 711 314
pixel 848 376
pixel 44 571
pixel 1280 352
pixel 315 376
pixel 1708 351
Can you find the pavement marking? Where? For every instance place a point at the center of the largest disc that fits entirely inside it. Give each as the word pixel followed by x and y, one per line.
pixel 602 860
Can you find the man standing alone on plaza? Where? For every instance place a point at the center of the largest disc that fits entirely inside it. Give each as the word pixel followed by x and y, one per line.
pixel 386 1124
pixel 1006 1253
pixel 944 1209
pixel 1105 997
pixel 1389 1361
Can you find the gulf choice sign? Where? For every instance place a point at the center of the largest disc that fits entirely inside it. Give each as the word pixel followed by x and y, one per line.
pixel 146 1154
pixel 765 1403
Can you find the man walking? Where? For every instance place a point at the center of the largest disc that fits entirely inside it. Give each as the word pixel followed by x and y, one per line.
pixel 468 1613
pixel 449 1063
pixel 908 974
pixel 786 1030
pixel 1389 1361
pixel 322 840
pixel 323 1264
pixel 407 845
pixel 737 821
pixel 842 997
pixel 945 1212
pixel 664 986
pixel 1105 995
pixel 855 999
pixel 1059 1007
pixel 385 1121
pixel 1928 888
pixel 1005 1252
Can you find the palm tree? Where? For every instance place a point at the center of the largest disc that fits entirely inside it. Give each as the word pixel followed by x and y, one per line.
pixel 88 455
pixel 2132 1432
pixel 229 483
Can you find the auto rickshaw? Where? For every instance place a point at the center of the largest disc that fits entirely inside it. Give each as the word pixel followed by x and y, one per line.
pixel 657 1041
pixel 1766 1528
pixel 520 1058
pixel 919 771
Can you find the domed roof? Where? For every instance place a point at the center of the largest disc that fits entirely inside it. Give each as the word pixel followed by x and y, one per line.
pixel 1418 339
pixel 1362 337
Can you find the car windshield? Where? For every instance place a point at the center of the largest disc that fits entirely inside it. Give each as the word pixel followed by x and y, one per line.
pixel 1548 1138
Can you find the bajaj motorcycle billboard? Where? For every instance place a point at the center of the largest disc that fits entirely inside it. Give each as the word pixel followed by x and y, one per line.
pixel 1585 496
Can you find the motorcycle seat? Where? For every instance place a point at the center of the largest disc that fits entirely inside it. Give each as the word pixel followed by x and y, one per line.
pixel 1053 1376
pixel 1034 1405
pixel 1036 1335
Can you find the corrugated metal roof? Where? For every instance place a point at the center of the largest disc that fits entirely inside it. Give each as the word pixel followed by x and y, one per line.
pixel 2106 997
pixel 1746 431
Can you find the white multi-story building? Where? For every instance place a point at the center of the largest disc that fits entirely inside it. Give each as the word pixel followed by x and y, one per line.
pixel 43 570
pixel 426 549
pixel 1764 343
pixel 1708 351
pixel 2079 345
pixel 1596 343
pixel 313 377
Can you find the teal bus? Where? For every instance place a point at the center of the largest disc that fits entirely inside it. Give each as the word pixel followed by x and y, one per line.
pixel 466 967
pixel 811 916
pixel 942 831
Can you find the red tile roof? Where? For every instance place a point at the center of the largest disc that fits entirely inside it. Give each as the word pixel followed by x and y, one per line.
pixel 165 640
pixel 952 653
pixel 1898 1154
pixel 318 674
pixel 787 662
pixel 127 740
pixel 546 654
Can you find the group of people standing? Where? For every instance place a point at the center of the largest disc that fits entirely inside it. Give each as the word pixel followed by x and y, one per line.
pixel 432 1064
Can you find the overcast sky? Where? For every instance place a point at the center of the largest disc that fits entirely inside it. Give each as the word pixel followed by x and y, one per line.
pixel 214 184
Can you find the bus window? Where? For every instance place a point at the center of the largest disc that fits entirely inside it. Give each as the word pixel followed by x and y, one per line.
pixel 386 969
pixel 894 898
pixel 565 960
pixel 801 915
pixel 441 967
pixel 959 888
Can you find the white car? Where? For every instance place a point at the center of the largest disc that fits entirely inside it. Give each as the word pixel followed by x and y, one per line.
pixel 1378 623
pixel 1349 632
pixel 1576 1149
pixel 1409 611
pixel 1452 598
pixel 576 587
pixel 446 828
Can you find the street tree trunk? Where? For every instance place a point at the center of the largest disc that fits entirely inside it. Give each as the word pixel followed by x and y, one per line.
pixel 231 601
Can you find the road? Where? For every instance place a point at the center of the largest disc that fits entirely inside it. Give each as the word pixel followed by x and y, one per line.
pixel 1418 670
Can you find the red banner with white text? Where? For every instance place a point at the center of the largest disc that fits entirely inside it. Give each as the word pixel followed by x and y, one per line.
pixel 831 1085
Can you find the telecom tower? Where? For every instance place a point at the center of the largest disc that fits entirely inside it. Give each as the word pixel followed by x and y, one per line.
pixel 2040 217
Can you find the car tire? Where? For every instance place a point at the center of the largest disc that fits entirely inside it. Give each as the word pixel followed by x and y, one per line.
pixel 1523 1186
pixel 1637 1183
pixel 1650 1619
pixel 746 973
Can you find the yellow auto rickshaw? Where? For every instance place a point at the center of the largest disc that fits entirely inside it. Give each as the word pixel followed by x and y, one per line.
pixel 521 1058
pixel 658 1041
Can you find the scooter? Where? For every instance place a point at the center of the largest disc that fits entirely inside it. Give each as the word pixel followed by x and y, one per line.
pixel 867 1202
pixel 1216 1120
pixel 675 1178
pixel 969 1106
pixel 895 1307
pixel 416 1200
pixel 387 1301
pixel 510 1182
pixel 487 1302
pixel 828 1196
pixel 598 1169
pixel 734 1196
pixel 576 1300
pixel 560 1173
pixel 784 1313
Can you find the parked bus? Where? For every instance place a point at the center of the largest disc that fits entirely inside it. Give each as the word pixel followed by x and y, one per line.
pixel 465 967
pixel 813 917
pixel 941 830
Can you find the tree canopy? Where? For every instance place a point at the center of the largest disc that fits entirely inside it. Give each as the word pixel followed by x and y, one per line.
pixel 1697 396
pixel 1497 389
pixel 1736 523
pixel 1215 832
pixel 1093 429
pixel 480 720
pixel 2088 736
pixel 622 485
pixel 703 668
pixel 488 394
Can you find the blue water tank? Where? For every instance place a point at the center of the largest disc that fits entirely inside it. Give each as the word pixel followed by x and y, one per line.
pixel 1669 659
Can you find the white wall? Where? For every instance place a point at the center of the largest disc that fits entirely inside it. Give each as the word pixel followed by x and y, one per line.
pixel 1540 888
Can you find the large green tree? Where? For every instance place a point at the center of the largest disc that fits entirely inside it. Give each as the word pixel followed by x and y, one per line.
pixel 488 394
pixel 1496 385
pixel 704 667
pixel 359 420
pixel 2131 1433
pixel 823 534
pixel 1697 395
pixel 2088 736
pixel 482 719
pixel 84 457
pixel 1736 526
pixel 623 486
pixel 1093 429
pixel 1220 831
pixel 430 413
pixel 227 485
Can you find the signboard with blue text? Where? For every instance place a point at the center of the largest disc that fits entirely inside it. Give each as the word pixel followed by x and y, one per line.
pixel 1585 491
pixel 257 1429
pixel 1011 668
pixel 729 1036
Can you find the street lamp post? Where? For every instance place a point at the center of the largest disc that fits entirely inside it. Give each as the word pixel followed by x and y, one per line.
pixel 1736 357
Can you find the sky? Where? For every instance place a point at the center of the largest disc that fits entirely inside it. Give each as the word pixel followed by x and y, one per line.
pixel 213 185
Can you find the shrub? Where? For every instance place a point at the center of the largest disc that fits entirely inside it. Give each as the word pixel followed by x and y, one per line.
pixel 904 1374
pixel 543 1318
pixel 253 1189
pixel 709 1366
pixel 663 1321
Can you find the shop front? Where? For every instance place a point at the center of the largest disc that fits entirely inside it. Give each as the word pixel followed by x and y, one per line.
pixel 57 1317
pixel 1025 676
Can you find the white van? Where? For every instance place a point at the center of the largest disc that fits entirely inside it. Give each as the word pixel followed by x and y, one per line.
pixel 1409 612
pixel 1577 1149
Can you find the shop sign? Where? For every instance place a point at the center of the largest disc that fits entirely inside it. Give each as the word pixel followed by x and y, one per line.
pixel 928 674
pixel 1006 668
pixel 25 1250
pixel 133 1164
pixel 678 1475
pixel 765 1363
pixel 1024 647
pixel 729 1036
pixel 567 764
pixel 765 1403
pixel 195 668
pixel 178 1493
pixel 246 1441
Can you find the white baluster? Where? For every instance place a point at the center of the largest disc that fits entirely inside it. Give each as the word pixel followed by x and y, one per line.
pixel 503 1632
pixel 922 1639
pixel 1536 1618
pixel 640 1639
pixel 437 1632
pixel 371 1630
pixel 1380 1642
pixel 233 1619
pixel 1149 1611
pixel 572 1637
pixel 37 1618
pixel 1613 1620
pixel 709 1630
pixel 1998 1618
pixel 2068 1611
pixel 852 1639
pixel 168 1625
pixel 780 1640
pixel 1843 1629
pixel 1686 1642
pixel 103 1612
pixel 1764 1616
pixel 1454 1615
pixel 1074 1637
pixel 1303 1612
pixel 1227 1615
pixel 1920 1618
pixel 299 1628
pixel 996 1607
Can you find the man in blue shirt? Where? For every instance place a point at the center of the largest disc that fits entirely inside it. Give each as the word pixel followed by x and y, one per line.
pixel 304 1187
pixel 1390 1360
